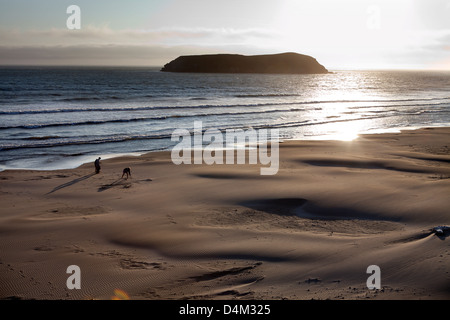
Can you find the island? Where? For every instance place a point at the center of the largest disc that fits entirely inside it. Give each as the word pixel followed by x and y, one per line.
pixel 282 63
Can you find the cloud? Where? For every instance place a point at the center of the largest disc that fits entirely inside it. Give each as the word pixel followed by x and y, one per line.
pixel 431 53
pixel 105 35
pixel 103 46
pixel 109 55
pixel 95 55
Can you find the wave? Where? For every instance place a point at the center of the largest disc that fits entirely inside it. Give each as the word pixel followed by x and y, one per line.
pixel 404 105
pixel 198 99
pixel 112 139
pixel 201 115
pixel 99 122
pixel 268 95
pixel 42 138
pixel 90 98
pixel 149 108
pixel 129 109
pixel 168 134
pixel 80 99
pixel 389 112
pixel 81 123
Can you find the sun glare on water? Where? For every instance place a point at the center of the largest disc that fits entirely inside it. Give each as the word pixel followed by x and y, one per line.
pixel 342 131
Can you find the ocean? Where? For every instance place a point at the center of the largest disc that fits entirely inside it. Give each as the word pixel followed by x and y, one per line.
pixel 61 117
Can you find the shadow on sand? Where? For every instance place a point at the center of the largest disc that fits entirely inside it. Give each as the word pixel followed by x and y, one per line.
pixel 118 182
pixel 70 183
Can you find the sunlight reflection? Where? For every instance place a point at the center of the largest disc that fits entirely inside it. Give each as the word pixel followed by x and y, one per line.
pixel 348 115
pixel 344 131
pixel 348 135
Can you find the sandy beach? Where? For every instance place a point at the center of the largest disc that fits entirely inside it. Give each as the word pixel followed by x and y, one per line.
pixel 226 232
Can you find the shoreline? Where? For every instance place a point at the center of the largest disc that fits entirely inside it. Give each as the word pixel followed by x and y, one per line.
pixel 330 137
pixel 226 232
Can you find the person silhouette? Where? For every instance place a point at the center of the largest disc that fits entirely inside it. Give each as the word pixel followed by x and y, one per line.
pixel 97 165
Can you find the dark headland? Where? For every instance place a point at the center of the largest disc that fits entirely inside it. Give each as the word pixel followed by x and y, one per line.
pixel 285 63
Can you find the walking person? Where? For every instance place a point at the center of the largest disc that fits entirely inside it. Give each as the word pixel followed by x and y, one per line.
pixel 97 165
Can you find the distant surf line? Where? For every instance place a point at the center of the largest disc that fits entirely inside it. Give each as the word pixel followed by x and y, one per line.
pixel 146 108
pixel 123 138
pixel 201 115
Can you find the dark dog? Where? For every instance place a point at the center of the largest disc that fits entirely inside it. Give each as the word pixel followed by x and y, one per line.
pixel 126 171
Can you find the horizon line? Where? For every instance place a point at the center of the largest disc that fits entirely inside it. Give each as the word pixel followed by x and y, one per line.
pixel 161 66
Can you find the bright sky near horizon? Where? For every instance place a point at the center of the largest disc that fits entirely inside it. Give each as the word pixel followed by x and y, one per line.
pixel 347 34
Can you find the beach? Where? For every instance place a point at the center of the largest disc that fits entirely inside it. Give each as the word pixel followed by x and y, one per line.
pixel 333 209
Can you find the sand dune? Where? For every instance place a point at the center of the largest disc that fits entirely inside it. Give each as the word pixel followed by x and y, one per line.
pixel 226 232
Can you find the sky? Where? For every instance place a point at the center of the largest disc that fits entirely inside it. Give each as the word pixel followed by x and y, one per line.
pixel 347 34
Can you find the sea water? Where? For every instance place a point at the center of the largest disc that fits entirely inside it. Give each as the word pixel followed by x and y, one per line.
pixel 61 117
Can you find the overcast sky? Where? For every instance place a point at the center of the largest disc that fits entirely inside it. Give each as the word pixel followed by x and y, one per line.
pixel 349 34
